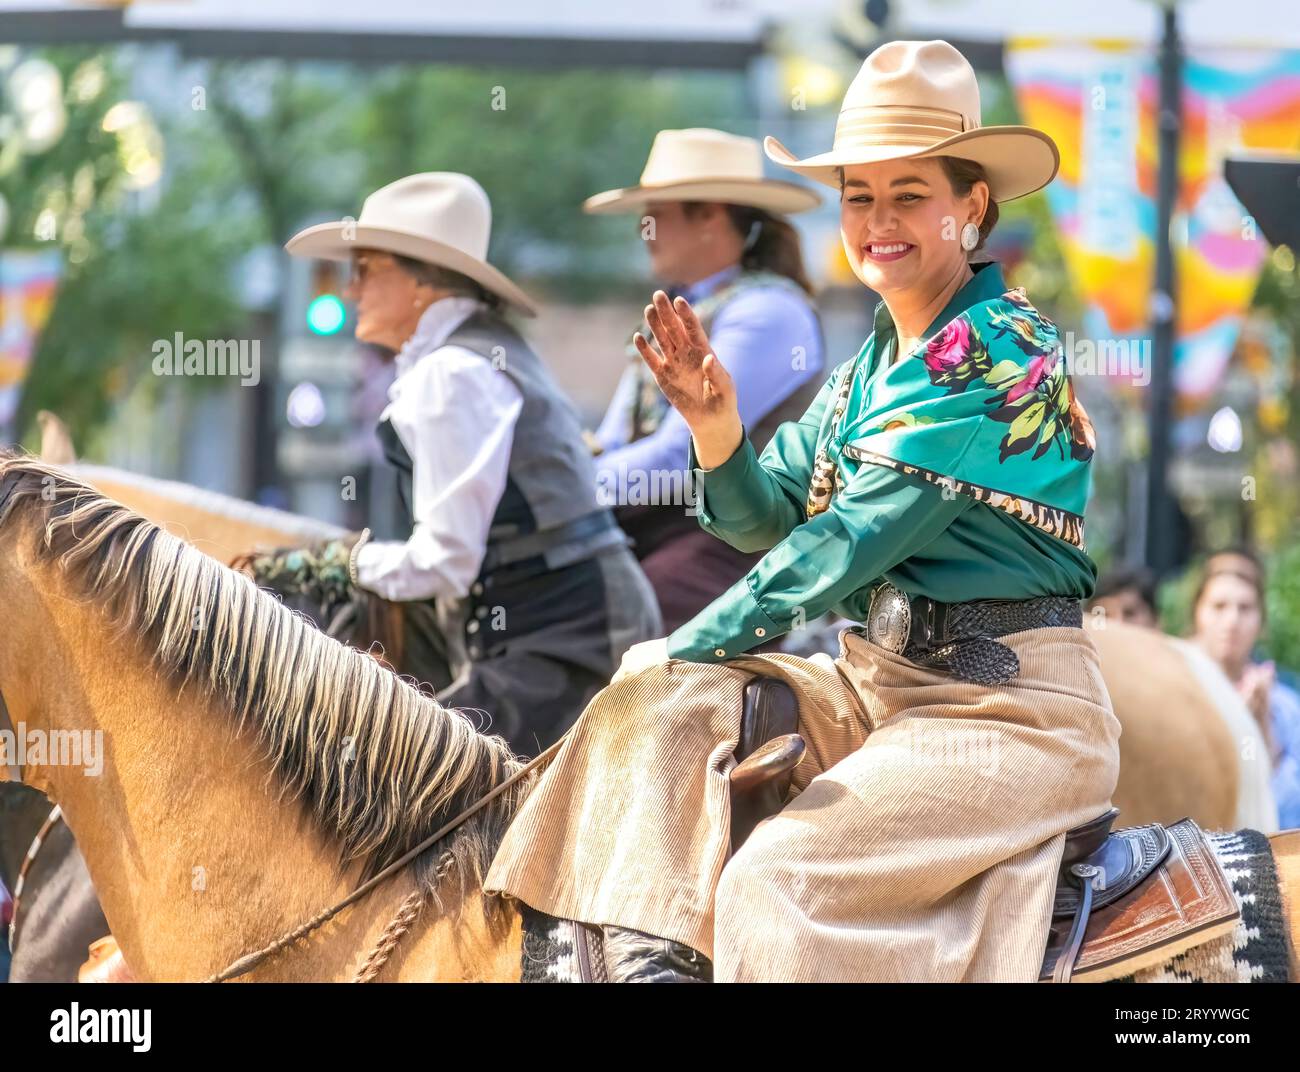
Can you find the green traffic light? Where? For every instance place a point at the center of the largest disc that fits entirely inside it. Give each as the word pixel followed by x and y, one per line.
pixel 326 315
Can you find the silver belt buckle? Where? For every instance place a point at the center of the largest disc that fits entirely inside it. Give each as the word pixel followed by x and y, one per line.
pixel 889 618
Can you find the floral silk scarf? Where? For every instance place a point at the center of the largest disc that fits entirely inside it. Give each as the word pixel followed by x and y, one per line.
pixel 985 407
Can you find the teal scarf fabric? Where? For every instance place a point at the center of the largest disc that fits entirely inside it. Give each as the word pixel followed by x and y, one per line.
pixel 985 407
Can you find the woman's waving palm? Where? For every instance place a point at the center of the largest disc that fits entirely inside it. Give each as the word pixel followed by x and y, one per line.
pixel 691 377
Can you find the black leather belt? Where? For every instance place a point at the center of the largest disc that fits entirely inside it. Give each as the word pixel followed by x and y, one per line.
pixel 959 637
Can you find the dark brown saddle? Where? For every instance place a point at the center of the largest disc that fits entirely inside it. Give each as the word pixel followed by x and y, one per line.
pixel 1125 899
pixel 766 755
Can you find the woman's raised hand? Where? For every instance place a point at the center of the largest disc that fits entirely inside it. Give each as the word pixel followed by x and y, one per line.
pixel 691 377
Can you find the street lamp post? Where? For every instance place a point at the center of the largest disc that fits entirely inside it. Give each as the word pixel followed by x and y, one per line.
pixel 1160 549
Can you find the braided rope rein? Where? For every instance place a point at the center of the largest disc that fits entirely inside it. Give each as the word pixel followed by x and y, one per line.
pixel 405 919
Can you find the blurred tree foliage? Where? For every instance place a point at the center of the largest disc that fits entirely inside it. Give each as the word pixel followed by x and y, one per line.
pixel 540 142
pixel 138 266
pixel 1279 295
pixel 256 149
pixel 1282 625
pixel 80 169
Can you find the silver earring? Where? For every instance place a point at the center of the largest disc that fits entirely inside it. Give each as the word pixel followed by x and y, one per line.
pixel 970 237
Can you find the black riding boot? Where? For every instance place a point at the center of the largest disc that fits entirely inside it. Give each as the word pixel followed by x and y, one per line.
pixel 565 951
pixel 634 957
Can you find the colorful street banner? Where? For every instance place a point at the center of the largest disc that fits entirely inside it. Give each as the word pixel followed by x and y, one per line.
pixel 29 280
pixel 1099 101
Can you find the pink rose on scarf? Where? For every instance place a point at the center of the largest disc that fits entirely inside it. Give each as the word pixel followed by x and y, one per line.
pixel 1039 369
pixel 949 348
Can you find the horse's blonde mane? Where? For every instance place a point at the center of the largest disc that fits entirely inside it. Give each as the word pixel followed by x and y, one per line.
pixel 378 764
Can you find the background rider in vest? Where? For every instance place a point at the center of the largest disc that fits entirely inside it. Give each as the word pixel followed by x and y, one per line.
pixel 517 587
pixel 715 231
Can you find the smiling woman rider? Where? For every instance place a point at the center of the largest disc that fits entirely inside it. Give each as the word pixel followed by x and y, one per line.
pixel 935 490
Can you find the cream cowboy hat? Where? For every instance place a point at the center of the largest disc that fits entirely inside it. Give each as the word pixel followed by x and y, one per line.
pixel 439 217
pixel 705 165
pixel 917 99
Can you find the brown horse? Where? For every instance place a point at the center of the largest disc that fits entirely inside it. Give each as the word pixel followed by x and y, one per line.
pixel 257 770
pixel 220 526
pixel 1189 744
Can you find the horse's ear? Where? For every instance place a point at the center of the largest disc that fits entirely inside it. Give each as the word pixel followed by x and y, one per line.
pixel 56 440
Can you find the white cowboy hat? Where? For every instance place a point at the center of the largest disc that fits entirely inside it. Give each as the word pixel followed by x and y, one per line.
pixel 917 99
pixel 438 217
pixel 705 165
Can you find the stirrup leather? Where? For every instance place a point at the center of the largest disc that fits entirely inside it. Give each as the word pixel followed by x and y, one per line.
pixel 1123 860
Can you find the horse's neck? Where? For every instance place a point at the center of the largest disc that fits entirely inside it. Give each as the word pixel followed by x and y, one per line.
pixel 195 859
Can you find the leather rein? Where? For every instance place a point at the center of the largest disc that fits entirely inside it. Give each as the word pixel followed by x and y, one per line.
pixel 38 842
pixel 7 489
pixel 55 817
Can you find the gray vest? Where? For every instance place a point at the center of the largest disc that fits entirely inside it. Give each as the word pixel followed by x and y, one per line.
pixel 549 506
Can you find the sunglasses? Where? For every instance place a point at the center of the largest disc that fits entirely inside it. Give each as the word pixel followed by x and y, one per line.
pixel 365 267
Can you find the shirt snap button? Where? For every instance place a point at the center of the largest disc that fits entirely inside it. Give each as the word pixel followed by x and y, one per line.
pixel 481 612
pixel 472 627
pixel 760 631
pixel 719 652
pixel 476 589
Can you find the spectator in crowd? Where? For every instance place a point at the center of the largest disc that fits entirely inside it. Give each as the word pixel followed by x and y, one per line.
pixel 1127 594
pixel 1228 619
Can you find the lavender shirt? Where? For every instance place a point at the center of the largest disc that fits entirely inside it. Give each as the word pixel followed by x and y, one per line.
pixel 754 336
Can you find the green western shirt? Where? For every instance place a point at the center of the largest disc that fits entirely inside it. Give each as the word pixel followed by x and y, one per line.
pixel 882 525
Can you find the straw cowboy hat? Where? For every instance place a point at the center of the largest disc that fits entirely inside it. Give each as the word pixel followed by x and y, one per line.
pixel 919 99
pixel 438 217
pixel 705 165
